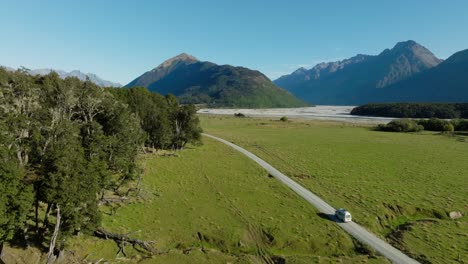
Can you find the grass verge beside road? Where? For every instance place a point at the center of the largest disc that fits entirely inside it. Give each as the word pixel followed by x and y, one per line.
pixel 213 205
pixel 401 186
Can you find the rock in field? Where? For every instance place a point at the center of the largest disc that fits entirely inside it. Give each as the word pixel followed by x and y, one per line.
pixel 455 215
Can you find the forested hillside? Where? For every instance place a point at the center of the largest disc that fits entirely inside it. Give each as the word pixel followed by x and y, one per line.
pixel 65 142
pixel 197 82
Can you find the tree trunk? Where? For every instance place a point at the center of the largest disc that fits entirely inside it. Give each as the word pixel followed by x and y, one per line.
pixel 121 240
pixel 50 256
pixel 36 204
pixel 46 217
pixel 1 252
pixel 138 187
pixel 26 236
pixel 20 159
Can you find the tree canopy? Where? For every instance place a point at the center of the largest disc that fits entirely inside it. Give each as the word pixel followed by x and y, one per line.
pixel 414 110
pixel 63 142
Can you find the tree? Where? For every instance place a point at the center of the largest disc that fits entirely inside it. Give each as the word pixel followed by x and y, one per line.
pixel 17 125
pixel 68 180
pixel 16 194
pixel 186 127
pixel 63 143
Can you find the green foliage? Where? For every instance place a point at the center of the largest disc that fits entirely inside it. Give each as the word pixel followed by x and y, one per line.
pixel 284 118
pixel 401 125
pixel 460 124
pixel 414 110
pixel 186 127
pixel 435 124
pixel 62 143
pixel 166 123
pixel 15 195
pixel 239 115
pixel 69 180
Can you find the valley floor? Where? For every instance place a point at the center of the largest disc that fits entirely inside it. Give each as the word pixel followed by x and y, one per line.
pixel 399 185
pixel 211 204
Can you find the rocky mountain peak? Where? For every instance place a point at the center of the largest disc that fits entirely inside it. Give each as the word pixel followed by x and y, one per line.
pixel 181 58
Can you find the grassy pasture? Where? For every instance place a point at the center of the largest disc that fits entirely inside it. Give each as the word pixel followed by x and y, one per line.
pixel 213 205
pixel 400 186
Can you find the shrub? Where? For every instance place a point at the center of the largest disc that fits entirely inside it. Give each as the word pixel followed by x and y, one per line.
pixel 239 115
pixel 435 124
pixel 449 127
pixel 284 118
pixel 401 125
pixel 460 124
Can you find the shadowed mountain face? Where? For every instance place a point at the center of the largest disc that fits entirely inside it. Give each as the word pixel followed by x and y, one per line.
pixel 350 81
pixel 194 81
pixel 447 82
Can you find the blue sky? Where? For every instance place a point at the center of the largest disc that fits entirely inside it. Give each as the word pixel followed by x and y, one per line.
pixel 119 40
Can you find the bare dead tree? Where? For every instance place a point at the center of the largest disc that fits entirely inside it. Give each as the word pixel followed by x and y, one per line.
pixel 50 256
pixel 123 240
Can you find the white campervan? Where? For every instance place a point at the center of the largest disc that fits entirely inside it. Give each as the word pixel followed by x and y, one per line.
pixel 343 215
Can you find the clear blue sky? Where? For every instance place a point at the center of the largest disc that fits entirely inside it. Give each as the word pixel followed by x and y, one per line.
pixel 119 40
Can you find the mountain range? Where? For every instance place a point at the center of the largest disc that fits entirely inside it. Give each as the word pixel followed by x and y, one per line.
pixel 78 74
pixel 397 74
pixel 447 82
pixel 203 82
pixel 408 72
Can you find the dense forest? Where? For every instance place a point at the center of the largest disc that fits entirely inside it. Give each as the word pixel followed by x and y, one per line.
pixel 414 110
pixel 65 142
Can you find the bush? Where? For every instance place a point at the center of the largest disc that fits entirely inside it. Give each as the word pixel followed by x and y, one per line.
pixel 284 118
pixel 239 115
pixel 435 124
pixel 401 125
pixel 449 128
pixel 460 124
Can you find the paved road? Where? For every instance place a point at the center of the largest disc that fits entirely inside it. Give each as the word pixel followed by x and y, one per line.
pixel 355 230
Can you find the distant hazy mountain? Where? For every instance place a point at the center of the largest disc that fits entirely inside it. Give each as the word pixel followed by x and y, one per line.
pixel 194 81
pixel 353 80
pixel 82 76
pixel 319 71
pixel 7 68
pixel 63 74
pixel 448 82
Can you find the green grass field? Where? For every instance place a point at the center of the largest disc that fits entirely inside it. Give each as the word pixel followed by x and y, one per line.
pixel 210 204
pixel 400 186
pixel 213 205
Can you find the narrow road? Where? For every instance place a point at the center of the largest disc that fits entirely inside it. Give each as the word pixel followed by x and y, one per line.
pixel 355 230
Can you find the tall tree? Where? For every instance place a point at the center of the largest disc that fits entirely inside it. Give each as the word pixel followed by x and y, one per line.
pixel 16 194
